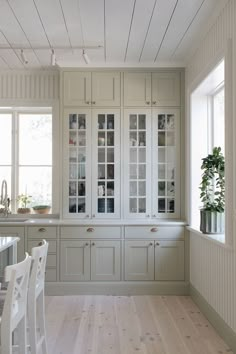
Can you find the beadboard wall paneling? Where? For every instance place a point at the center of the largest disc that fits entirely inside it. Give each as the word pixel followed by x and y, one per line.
pixel 32 86
pixel 213 266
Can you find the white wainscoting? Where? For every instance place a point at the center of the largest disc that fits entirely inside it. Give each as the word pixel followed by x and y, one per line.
pixel 213 266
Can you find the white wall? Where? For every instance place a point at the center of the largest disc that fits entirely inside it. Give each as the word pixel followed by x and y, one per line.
pixel 212 265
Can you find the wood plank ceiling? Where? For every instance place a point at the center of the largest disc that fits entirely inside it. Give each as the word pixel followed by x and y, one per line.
pixel 115 33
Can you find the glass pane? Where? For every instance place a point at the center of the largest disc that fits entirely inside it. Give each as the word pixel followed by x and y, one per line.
pixel 170 121
pixel 101 139
pixel 142 155
pixel 161 155
pixel 110 138
pixel 101 121
pixel 101 171
pixel 133 205
pixel 133 189
pixel 101 205
pixel 110 205
pixel 133 171
pixel 110 121
pixel 170 205
pixel 110 155
pixel 72 171
pixel 72 138
pixel 219 120
pixel 142 171
pixel 161 171
pixel 161 122
pixel 101 155
pixel 5 139
pixel 142 188
pixel 142 205
pixel 38 182
pixel 81 155
pixel 170 188
pixel 72 154
pixel 170 139
pixel 142 138
pixel 5 173
pixel 35 130
pixel 81 205
pixel 133 139
pixel 101 189
pixel 133 122
pixel 81 188
pixel 170 154
pixel 82 121
pixel 73 121
pixel 81 171
pixel 72 188
pixel 110 188
pixel 81 138
pixel 170 171
pixel 161 139
pixel 110 171
pixel 133 155
pixel 161 188
pixel 72 205
pixel 142 121
pixel 161 205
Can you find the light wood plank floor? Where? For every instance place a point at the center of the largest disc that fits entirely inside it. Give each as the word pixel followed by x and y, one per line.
pixel 129 324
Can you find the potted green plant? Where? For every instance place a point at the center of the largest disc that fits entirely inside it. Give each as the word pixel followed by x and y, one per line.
pixel 23 201
pixel 41 209
pixel 212 194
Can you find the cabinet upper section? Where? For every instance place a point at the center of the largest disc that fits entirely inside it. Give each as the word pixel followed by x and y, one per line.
pixel 159 89
pixel 96 89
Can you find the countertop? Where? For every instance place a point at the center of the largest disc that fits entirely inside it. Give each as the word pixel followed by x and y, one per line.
pixel 7 241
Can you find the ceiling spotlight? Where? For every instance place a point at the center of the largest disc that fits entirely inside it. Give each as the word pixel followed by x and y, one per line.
pixel 85 56
pixel 23 57
pixel 53 58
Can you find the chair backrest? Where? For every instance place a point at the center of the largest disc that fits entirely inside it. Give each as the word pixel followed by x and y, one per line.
pixel 37 276
pixel 17 276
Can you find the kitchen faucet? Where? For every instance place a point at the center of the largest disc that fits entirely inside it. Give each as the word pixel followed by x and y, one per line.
pixel 4 199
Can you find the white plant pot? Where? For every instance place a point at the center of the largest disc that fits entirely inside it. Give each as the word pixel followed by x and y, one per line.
pixel 212 222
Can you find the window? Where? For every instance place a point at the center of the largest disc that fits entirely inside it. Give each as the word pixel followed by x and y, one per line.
pixel 26 154
pixel 207 130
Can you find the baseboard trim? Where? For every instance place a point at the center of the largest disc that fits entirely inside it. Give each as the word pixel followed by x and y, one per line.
pixel 228 335
pixel 117 288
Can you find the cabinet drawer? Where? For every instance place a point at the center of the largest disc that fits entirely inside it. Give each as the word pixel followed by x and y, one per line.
pixel 90 232
pixel 52 245
pixel 51 274
pixel 160 232
pixel 42 232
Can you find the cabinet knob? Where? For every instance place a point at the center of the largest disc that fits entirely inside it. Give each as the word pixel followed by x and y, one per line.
pixel 42 229
pixel 90 229
pixel 154 229
pixel 93 102
pixel 154 102
pixel 154 216
pixel 87 216
pixel 147 102
pixel 147 216
pixel 93 243
pixel 157 244
pixel 93 215
pixel 87 102
pixel 150 244
pixel 86 244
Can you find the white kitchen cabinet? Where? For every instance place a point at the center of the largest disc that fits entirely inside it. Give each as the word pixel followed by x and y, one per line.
pixel 89 260
pixel 152 163
pixel 156 89
pixel 154 260
pixel 16 231
pixel 91 163
pixel 96 89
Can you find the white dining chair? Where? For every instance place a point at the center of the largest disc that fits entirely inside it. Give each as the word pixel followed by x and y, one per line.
pixel 14 307
pixel 36 307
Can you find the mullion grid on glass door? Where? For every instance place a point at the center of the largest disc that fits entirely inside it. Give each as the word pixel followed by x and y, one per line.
pixel 166 163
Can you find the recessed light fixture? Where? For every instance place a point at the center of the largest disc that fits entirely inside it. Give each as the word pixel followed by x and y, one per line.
pixel 53 58
pixel 85 56
pixel 23 57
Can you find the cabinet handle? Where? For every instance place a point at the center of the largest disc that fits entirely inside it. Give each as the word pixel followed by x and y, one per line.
pixel 42 229
pixel 157 244
pixel 154 102
pixel 147 216
pixel 154 216
pixel 147 102
pixel 86 244
pixel 93 244
pixel 90 229
pixel 93 215
pixel 154 229
pixel 150 244
pixel 87 216
pixel 87 102
pixel 93 102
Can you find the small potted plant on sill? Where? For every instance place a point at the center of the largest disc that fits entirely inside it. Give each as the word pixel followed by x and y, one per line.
pixel 212 195
pixel 41 209
pixel 23 201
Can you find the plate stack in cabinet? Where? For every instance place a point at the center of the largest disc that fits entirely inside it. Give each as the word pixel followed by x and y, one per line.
pixel 154 253
pixel 35 234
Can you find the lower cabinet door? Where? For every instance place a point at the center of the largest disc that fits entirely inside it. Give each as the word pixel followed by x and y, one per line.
pixel 75 260
pixel 139 260
pixel 169 260
pixel 105 260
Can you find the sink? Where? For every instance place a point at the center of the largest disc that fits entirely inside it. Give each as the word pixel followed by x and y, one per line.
pixel 12 220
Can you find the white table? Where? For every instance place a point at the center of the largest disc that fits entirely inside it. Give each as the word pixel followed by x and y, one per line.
pixel 10 244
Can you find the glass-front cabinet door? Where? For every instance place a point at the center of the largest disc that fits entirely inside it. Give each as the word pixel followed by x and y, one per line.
pixel 165 171
pixel 77 167
pixel 106 163
pixel 137 162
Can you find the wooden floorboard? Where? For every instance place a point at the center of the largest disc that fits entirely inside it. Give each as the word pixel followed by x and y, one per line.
pixel 128 325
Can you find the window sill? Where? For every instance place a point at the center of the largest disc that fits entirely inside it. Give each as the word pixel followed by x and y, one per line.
pixel 218 239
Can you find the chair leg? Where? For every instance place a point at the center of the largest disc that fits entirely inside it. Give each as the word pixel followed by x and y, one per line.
pixel 22 336
pixel 41 321
pixel 32 327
